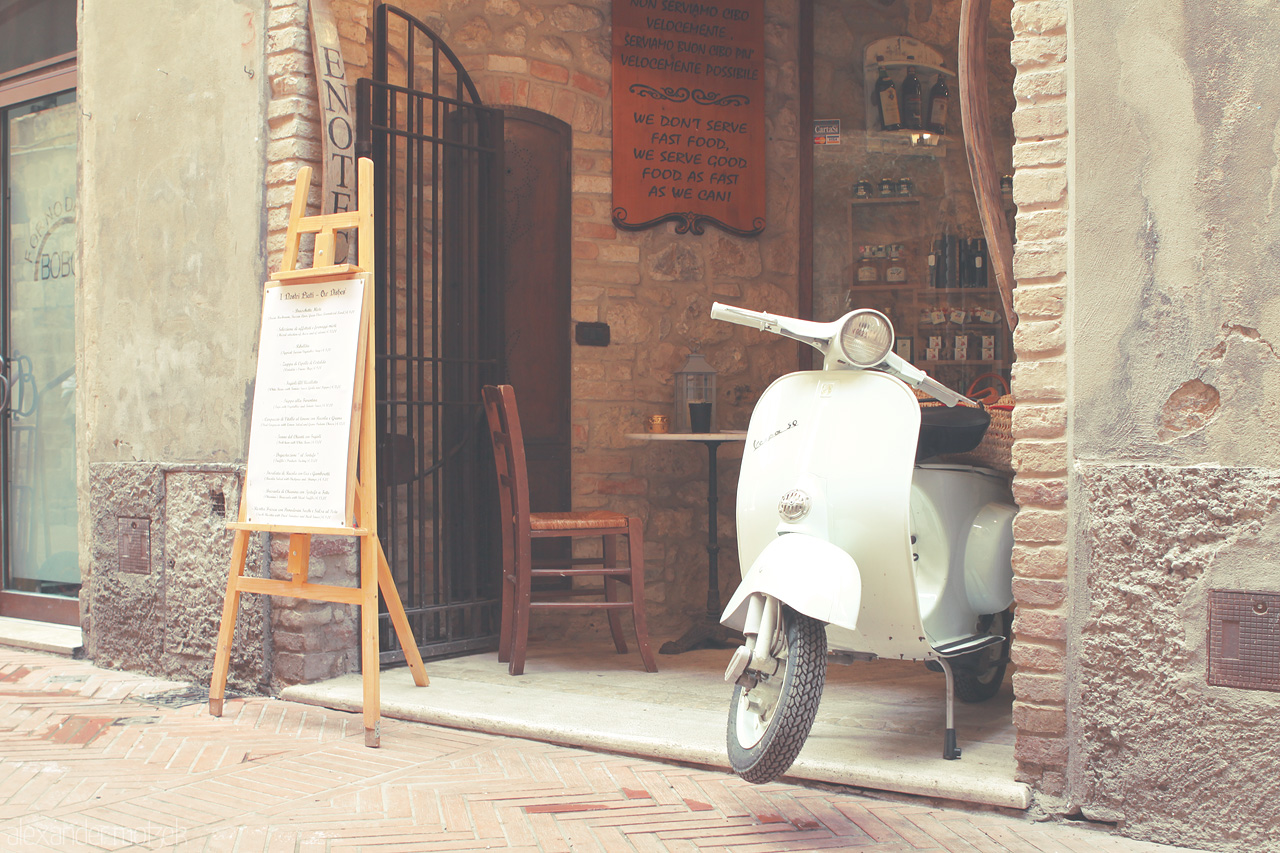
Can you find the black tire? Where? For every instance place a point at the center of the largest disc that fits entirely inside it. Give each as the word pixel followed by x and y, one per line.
pixel 978 676
pixel 762 756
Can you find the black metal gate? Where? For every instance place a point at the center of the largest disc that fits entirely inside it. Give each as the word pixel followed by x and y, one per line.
pixel 438 157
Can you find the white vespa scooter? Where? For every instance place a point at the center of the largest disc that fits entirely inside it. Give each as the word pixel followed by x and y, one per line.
pixel 855 548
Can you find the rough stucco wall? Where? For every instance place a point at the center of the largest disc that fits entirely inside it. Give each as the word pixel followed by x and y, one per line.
pixel 1174 311
pixel 1172 759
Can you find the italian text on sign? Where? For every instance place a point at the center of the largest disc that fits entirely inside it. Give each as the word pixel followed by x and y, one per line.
pixel 688 114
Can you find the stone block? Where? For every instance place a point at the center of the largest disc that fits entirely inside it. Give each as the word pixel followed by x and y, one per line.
pixel 1037 86
pixel 1039 593
pixel 556 48
pixel 593 86
pixel 1039 421
pixel 548 71
pixel 1042 120
pixel 1039 339
pixel 1040 381
pixel 1040 525
pixel 1037 749
pixel 1034 624
pixel 1041 689
pixel 1039 18
pixel 1040 457
pixel 1039 719
pixel 573 18
pixel 1045 657
pixel 1038 492
pixel 1040 561
pixel 1040 259
pixel 508 64
pixel 1033 51
pixel 1040 186
pixel 1031 153
pixel 1039 302
pixel 1037 225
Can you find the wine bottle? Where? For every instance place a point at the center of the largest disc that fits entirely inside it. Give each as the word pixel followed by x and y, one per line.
pixel 886 98
pixel 978 257
pixel 912 102
pixel 939 98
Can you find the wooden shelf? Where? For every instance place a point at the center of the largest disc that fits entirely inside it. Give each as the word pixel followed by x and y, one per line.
pixel 865 286
pixel 888 199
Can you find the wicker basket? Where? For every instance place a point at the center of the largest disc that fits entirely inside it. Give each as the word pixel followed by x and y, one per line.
pixel 996 448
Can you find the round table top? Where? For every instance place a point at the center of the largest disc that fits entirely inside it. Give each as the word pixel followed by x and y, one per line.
pixel 726 435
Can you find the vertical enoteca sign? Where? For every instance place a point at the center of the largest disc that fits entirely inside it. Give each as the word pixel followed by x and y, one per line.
pixel 688 114
pixel 300 433
pixel 337 122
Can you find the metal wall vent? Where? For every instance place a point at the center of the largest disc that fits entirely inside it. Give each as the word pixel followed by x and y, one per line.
pixel 1244 639
pixel 134 544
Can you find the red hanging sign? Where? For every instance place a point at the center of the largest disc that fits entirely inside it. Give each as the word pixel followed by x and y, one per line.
pixel 688 115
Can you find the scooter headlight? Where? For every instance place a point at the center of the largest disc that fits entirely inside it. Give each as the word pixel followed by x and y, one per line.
pixel 866 338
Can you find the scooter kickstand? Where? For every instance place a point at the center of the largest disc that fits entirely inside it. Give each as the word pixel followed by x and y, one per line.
pixel 949 749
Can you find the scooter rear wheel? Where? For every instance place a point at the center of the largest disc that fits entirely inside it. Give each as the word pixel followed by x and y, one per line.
pixel 769 723
pixel 978 675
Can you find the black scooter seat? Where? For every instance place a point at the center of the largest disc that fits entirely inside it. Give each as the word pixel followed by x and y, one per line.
pixel 950 430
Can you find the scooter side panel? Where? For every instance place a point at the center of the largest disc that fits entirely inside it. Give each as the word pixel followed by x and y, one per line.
pixel 848 439
pixel 958 494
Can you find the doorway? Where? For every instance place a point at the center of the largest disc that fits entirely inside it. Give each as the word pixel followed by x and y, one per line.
pixel 536 296
pixel 40 554
pixel 438 157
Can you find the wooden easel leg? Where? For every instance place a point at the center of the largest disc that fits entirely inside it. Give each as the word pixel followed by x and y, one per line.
pixel 369 662
pixel 227 632
pixel 401 622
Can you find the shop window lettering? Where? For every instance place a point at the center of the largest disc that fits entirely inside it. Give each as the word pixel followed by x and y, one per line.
pixel 50 263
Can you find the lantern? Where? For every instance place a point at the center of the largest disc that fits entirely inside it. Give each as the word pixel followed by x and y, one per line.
pixel 695 396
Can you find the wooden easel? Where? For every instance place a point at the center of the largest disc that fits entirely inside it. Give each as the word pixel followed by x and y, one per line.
pixel 375 573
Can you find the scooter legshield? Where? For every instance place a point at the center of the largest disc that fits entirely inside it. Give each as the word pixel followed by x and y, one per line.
pixel 808 574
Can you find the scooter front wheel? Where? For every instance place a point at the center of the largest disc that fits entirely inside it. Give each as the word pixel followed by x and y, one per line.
pixel 770 720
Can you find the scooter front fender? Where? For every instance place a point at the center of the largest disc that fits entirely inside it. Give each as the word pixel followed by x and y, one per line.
pixel 808 574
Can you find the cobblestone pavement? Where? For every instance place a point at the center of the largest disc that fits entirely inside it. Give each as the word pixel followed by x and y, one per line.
pixel 93 759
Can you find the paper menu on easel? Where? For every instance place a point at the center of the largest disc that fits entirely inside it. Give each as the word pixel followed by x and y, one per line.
pixel 300 439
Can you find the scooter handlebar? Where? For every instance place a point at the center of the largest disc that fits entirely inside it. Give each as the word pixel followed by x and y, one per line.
pixel 743 316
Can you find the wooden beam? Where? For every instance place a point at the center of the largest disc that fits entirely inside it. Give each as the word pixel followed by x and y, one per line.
pixel 975 121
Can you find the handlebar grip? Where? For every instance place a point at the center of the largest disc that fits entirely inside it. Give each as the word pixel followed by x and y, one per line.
pixel 742 316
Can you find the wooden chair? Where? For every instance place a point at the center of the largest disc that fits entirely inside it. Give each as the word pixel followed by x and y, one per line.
pixel 520 527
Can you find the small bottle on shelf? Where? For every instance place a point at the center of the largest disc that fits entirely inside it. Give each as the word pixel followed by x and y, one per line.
pixel 912 101
pixel 936 114
pixel 886 98
pixel 896 271
pixel 868 272
pixel 978 259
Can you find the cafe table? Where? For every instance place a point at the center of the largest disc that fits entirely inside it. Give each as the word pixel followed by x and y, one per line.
pixel 706 632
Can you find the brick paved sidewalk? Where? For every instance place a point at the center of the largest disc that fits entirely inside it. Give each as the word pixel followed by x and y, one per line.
pixel 93 759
